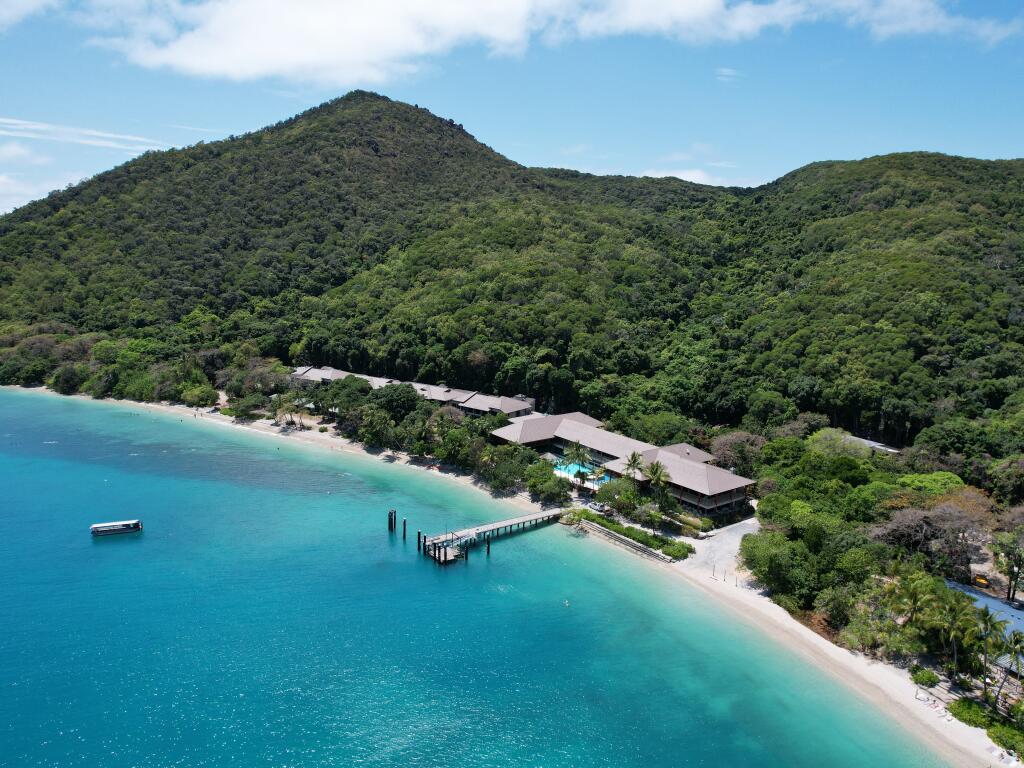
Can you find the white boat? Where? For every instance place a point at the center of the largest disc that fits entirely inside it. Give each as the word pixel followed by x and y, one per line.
pixel 120 526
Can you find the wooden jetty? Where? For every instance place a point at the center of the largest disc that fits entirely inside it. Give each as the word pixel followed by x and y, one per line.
pixel 451 546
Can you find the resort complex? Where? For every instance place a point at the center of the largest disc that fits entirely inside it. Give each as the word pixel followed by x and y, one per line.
pixel 470 402
pixel 689 475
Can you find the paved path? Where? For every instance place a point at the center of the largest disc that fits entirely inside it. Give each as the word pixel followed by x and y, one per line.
pixel 718 552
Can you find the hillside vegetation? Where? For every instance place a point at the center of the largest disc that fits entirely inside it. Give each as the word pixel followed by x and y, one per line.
pixel 371 235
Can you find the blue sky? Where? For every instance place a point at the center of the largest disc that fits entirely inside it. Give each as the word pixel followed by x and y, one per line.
pixel 711 90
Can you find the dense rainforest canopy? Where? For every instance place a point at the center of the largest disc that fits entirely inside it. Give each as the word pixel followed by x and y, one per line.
pixel 885 294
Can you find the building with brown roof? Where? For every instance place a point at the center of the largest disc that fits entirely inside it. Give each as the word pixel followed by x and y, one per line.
pixel 699 485
pixel 468 401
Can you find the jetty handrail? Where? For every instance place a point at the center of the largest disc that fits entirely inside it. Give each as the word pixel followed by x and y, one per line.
pixel 476 530
pixel 460 541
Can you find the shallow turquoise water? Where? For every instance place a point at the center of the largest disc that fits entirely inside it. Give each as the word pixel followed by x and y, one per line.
pixel 266 618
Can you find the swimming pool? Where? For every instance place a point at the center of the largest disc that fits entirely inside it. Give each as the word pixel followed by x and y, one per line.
pixel 569 470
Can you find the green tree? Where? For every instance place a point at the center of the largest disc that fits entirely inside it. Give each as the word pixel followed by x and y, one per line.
pixel 992 634
pixel 634 466
pixel 1014 649
pixel 376 428
pixel 580 456
pixel 200 396
pixel 961 624
pixel 657 477
pixel 1008 548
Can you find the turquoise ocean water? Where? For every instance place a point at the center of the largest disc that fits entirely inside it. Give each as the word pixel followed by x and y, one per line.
pixel 266 618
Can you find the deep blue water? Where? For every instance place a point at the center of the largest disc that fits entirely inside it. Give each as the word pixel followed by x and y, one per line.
pixel 266 618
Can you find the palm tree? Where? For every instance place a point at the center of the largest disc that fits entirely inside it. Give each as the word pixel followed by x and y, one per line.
pixel 656 474
pixel 963 625
pixel 283 406
pixel 634 466
pixel 579 456
pixel 300 410
pixel 1015 650
pixel 993 638
pixel 914 596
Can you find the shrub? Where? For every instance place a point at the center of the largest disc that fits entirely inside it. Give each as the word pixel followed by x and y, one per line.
pixel 924 677
pixel 69 378
pixel 199 396
pixel 931 484
pixel 677 550
pixel 1007 737
pixel 545 486
pixel 970 712
pixel 322 429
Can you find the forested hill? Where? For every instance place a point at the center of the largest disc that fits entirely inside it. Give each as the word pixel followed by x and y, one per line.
pixel 372 235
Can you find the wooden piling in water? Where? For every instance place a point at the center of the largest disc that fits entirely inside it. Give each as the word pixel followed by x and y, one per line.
pixel 403 528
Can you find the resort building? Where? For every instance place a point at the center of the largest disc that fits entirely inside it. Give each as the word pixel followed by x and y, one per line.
pixel 874 445
pixel 699 486
pixel 470 402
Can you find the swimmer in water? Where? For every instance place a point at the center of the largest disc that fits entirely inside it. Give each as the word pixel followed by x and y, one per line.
pixel 566 603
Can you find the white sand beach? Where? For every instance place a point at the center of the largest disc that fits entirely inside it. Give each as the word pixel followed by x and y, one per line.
pixel 714 570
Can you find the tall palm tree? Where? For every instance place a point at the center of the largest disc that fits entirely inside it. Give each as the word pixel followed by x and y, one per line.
pixel 580 456
pixel 656 474
pixel 993 638
pixel 1015 650
pixel 963 625
pixel 634 466
pixel 284 406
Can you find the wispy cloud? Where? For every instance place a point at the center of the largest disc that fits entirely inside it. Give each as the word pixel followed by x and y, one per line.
pixel 703 176
pixel 13 11
pixel 66 134
pixel 344 42
pixel 575 149
pixel 16 152
pixel 696 150
pixel 15 190
pixel 726 74
pixel 196 129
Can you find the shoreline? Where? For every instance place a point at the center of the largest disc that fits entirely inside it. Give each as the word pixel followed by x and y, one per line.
pixel 885 687
pixel 309 437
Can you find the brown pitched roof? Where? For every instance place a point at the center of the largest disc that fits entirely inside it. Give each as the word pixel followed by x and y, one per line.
pixel 481 402
pixel 685 464
pixel 537 429
pixel 701 478
pixel 691 452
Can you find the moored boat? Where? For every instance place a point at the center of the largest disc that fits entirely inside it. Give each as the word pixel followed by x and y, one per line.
pixel 120 526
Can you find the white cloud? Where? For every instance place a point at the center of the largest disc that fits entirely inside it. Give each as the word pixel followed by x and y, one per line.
pixel 347 42
pixel 726 74
pixel 27 129
pixel 701 176
pixel 197 129
pixel 891 18
pixel 16 191
pixel 16 152
pixel 13 11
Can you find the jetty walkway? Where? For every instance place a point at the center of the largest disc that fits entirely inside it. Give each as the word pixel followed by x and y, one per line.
pixel 452 545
